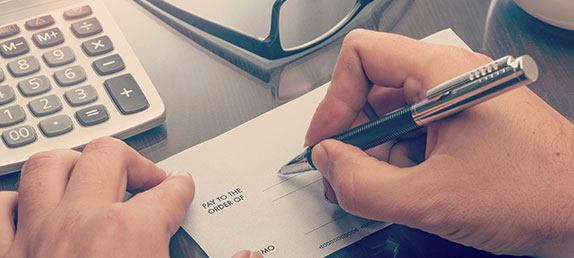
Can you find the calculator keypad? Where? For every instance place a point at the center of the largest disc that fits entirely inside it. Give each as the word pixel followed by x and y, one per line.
pixel 66 77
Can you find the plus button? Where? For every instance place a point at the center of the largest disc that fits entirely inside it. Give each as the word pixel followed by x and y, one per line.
pixel 126 92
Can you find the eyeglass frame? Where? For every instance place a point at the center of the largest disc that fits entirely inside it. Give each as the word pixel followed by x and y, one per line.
pixel 270 47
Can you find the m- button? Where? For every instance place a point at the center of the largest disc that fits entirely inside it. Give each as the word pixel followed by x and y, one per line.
pixel 14 47
pixel 126 94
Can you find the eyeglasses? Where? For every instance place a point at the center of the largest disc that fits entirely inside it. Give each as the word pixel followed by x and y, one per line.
pixel 295 25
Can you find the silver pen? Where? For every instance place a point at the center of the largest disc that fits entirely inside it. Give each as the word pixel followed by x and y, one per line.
pixel 448 98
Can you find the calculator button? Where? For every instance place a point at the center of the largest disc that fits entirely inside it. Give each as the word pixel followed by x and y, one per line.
pixel 78 12
pixel 45 106
pixel 6 94
pixel 14 47
pixel 98 46
pixel 48 38
pixel 40 22
pixel 81 95
pixel 70 76
pixel 92 115
pixel 126 94
pixel 11 115
pixel 109 65
pixel 34 86
pixel 24 66
pixel 9 30
pixel 20 136
pixel 86 28
pixel 2 75
pixel 59 57
pixel 55 126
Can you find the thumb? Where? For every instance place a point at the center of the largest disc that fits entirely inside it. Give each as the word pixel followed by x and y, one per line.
pixel 8 203
pixel 367 187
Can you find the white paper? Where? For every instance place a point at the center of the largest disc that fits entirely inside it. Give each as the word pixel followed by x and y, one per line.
pixel 241 202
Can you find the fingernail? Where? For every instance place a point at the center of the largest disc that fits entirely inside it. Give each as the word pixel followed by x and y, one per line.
pixel 328 192
pixel 320 157
pixel 242 254
pixel 180 173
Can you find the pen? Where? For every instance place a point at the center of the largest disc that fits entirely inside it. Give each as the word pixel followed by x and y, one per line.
pixel 448 98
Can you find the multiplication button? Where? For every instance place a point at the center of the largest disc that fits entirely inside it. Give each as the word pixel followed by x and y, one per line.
pixel 98 46
pixel 55 126
pixel 19 136
pixel 126 94
pixel 92 115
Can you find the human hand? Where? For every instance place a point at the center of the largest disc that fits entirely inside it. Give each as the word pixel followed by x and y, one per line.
pixel 498 176
pixel 70 205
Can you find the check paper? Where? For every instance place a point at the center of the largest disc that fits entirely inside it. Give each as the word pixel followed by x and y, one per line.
pixel 242 203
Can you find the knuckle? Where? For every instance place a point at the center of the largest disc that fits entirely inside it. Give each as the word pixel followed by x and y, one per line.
pixel 356 36
pixel 105 144
pixel 40 160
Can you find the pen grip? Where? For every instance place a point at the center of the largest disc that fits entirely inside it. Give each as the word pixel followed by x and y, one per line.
pixel 381 130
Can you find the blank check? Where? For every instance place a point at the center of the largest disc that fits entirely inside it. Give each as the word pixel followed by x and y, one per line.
pixel 241 202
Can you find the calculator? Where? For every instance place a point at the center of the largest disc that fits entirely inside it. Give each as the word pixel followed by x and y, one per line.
pixel 67 76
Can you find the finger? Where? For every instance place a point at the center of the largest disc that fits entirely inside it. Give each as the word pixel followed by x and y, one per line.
pixel 106 167
pixel 388 60
pixel 8 203
pixel 167 203
pixel 370 188
pixel 247 254
pixel 43 181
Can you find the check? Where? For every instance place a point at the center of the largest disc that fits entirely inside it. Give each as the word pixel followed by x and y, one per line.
pixel 241 202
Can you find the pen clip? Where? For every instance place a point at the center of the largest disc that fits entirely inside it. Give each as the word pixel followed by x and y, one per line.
pixel 463 79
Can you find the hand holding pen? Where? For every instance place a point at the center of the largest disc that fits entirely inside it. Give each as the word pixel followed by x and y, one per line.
pixel 486 173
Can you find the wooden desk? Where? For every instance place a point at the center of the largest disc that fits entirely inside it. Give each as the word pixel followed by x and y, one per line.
pixel 206 96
